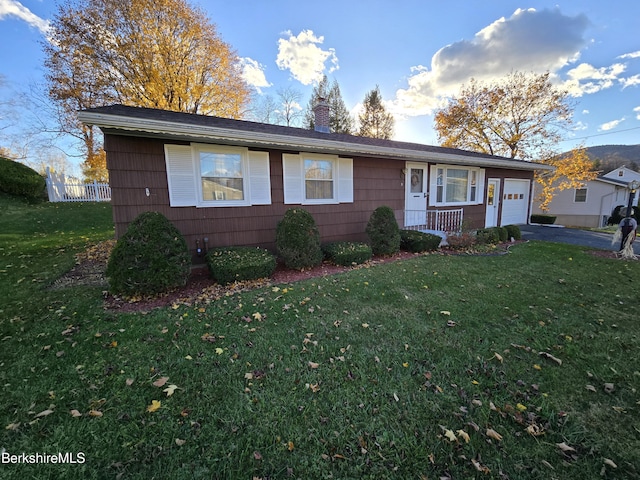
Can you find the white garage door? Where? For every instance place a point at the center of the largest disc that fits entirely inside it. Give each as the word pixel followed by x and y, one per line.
pixel 515 201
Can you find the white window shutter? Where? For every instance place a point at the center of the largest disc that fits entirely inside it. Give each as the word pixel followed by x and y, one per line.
pixel 181 176
pixel 293 178
pixel 345 180
pixel 259 178
pixel 433 185
pixel 480 186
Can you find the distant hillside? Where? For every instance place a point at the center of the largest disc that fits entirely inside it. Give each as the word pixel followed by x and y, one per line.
pixel 610 157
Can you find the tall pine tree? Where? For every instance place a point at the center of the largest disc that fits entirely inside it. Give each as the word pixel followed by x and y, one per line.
pixel 339 119
pixel 375 121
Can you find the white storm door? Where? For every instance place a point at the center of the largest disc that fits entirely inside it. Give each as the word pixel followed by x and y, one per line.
pixel 492 203
pixel 415 214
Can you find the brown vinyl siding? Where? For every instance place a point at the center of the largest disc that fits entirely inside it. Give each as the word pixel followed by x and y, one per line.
pixel 137 163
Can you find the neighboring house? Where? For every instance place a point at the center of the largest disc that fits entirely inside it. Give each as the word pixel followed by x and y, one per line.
pixel 231 181
pixel 593 203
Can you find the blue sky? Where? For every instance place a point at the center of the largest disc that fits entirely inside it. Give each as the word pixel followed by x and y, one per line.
pixel 418 52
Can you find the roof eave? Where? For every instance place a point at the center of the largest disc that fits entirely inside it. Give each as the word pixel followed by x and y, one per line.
pixel 130 125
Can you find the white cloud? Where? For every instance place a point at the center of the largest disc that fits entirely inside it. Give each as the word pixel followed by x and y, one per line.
pixel 630 81
pixel 304 58
pixel 529 40
pixel 253 73
pixel 587 79
pixel 637 110
pixel 13 8
pixel 631 55
pixel 610 125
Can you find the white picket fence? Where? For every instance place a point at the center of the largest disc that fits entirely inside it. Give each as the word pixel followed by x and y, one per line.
pixel 63 189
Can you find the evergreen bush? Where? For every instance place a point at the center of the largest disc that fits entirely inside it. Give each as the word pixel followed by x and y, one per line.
pixel 19 180
pixel 543 219
pixel 513 231
pixel 150 258
pixel 414 241
pixel 347 253
pixel 487 236
pixel 383 231
pixel 298 239
pixel 232 264
pixel 503 234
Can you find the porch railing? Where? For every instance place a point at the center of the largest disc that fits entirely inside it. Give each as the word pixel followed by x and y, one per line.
pixel 437 220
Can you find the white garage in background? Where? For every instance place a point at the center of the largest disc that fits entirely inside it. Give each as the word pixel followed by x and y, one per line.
pixel 515 201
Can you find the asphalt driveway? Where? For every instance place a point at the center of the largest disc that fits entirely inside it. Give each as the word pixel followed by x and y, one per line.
pixel 574 236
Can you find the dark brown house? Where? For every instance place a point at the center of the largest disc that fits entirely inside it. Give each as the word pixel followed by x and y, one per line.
pixel 231 181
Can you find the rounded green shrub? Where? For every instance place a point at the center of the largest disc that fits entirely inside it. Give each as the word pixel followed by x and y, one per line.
pixel 513 231
pixel 233 264
pixel 347 253
pixel 298 239
pixel 19 180
pixel 414 241
pixel 383 231
pixel 487 236
pixel 503 235
pixel 150 258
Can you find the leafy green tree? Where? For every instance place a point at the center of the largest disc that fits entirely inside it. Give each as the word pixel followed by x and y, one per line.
pixel 375 121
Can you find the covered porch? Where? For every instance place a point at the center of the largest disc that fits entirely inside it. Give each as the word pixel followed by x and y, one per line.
pixel 439 222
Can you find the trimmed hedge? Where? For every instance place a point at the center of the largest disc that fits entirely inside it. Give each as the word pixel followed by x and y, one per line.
pixel 513 231
pixel 232 264
pixel 20 180
pixel 414 241
pixel 298 239
pixel 487 236
pixel 543 219
pixel 151 257
pixel 347 253
pixel 383 231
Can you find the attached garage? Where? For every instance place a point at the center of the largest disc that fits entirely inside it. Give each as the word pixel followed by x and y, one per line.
pixel 515 201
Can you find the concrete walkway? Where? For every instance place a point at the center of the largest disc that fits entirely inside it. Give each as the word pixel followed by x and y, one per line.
pixel 574 236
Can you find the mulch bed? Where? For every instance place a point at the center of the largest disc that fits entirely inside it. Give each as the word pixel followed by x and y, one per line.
pixel 201 289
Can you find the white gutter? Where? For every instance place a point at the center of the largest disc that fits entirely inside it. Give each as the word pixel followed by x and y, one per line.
pixel 251 138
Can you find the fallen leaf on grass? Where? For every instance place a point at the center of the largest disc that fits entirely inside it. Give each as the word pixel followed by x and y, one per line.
pixel 129 382
pixel 464 435
pixel 609 387
pixel 170 389
pixel 180 442
pixel 257 455
pixel 75 413
pixel 290 446
pixel 479 467
pixel 313 365
pixel 550 357
pixel 44 413
pixel 591 388
pixel 12 426
pixel 610 463
pixel 445 312
pixel 498 357
pixel 95 413
pixel 450 435
pixel 535 430
pixel 160 382
pixel 155 406
pixel 565 448
pixel 493 434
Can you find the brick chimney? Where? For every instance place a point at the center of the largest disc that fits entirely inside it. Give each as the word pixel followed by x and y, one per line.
pixel 321 112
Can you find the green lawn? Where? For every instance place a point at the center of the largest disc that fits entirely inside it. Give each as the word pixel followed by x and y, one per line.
pixel 431 367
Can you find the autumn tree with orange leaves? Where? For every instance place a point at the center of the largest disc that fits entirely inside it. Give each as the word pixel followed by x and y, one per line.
pixel 162 54
pixel 571 171
pixel 519 116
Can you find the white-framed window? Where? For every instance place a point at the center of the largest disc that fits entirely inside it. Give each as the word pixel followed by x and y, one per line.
pixel 453 185
pixel 204 175
pixel 314 179
pixel 580 195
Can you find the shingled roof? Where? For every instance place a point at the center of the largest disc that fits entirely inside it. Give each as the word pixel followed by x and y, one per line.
pixel 148 122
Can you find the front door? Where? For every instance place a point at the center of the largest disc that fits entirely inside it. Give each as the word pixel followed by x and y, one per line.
pixel 415 214
pixel 493 202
